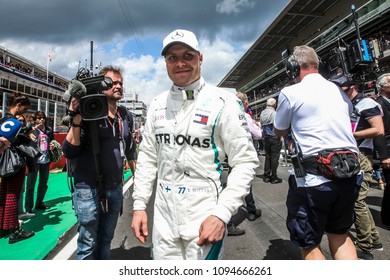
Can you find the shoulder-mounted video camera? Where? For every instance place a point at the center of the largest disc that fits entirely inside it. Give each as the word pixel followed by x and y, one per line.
pixel 93 103
pixel 358 60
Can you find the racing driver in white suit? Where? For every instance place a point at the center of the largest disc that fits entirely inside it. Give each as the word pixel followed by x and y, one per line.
pixel 188 133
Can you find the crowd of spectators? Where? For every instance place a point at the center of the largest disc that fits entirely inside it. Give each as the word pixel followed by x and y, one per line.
pixel 383 37
pixel 34 74
pixel 269 89
pixel 266 90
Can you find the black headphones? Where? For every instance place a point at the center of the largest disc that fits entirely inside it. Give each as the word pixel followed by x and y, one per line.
pixel 292 68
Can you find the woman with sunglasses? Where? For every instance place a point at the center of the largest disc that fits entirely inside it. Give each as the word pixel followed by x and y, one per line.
pixel 44 135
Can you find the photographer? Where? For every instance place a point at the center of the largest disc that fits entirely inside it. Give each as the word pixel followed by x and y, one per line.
pixel 318 115
pixel 97 213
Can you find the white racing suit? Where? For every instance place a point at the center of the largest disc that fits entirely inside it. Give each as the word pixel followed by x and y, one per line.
pixel 184 143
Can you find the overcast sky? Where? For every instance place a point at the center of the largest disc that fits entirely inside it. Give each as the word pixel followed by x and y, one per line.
pixel 129 34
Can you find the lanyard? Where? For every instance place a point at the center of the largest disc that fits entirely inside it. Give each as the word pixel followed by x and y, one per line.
pixel 117 120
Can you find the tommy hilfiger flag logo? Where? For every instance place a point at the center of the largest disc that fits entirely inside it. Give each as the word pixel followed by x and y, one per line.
pixel 202 119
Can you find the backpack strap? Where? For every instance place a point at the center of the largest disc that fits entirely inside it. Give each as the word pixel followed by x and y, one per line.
pixel 126 114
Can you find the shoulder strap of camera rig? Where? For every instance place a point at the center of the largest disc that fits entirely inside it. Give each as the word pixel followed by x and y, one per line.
pixel 93 134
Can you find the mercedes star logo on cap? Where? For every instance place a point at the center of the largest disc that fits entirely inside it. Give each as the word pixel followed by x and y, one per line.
pixel 178 34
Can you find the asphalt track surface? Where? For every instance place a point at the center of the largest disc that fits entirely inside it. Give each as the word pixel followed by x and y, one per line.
pixel 266 238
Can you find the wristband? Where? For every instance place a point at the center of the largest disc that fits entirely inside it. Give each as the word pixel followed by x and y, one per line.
pixel 73 113
pixel 75 125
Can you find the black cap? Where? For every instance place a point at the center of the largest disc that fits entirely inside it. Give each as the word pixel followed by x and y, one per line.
pixel 342 81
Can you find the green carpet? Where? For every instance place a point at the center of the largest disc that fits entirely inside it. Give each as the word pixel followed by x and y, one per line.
pixel 48 225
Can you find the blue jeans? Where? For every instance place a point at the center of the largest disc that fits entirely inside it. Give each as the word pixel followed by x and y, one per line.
pixel 96 229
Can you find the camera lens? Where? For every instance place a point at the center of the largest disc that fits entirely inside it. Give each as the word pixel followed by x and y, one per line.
pixel 93 107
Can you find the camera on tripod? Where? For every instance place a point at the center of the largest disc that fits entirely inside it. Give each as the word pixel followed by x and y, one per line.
pixel 93 103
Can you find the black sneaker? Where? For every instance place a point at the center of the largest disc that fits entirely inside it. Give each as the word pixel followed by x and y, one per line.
pixel 266 179
pixel 253 216
pixel 42 206
pixel 377 246
pixel 364 255
pixel 19 234
pixel 276 180
pixel 235 231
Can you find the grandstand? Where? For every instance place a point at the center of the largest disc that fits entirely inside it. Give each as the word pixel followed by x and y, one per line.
pixel 320 24
pixel 44 88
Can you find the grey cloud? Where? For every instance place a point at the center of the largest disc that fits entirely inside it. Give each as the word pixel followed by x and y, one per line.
pixel 70 21
pixel 32 28
pixel 233 6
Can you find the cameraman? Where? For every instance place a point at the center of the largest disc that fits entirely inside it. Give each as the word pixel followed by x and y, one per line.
pixel 96 225
pixel 318 115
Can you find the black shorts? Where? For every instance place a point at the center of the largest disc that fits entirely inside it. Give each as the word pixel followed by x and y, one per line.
pixel 312 211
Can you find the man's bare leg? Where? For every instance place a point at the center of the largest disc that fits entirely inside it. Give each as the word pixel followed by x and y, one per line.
pixel 312 253
pixel 341 247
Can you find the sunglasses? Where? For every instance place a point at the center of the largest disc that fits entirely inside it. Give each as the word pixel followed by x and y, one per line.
pixel 40 118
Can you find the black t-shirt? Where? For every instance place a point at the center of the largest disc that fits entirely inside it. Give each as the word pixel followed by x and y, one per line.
pixel 109 137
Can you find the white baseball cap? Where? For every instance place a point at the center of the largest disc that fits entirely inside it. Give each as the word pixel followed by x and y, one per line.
pixel 180 36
